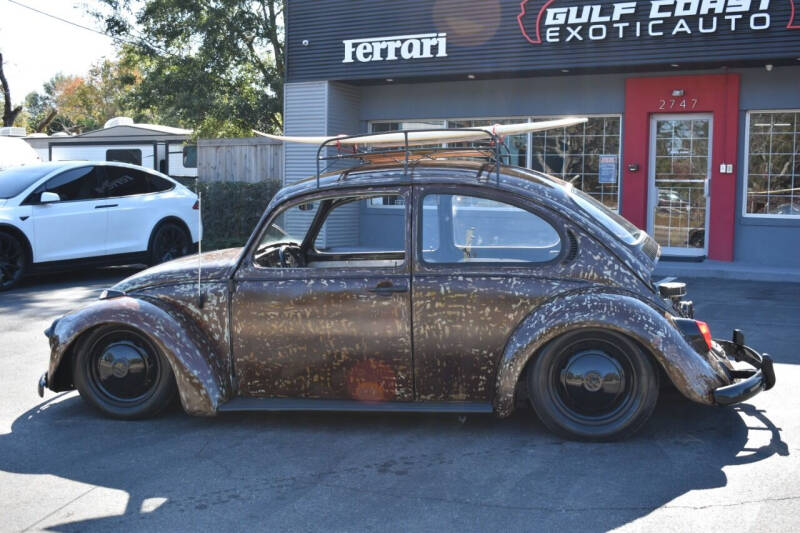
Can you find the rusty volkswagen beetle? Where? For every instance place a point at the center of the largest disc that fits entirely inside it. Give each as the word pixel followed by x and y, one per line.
pixel 430 284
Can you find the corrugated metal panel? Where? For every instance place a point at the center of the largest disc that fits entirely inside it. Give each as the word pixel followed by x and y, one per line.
pixel 485 37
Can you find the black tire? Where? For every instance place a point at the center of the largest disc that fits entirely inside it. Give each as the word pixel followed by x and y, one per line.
pixel 120 372
pixel 593 384
pixel 169 241
pixel 13 260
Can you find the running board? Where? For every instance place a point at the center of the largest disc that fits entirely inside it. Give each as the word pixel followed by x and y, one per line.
pixel 241 404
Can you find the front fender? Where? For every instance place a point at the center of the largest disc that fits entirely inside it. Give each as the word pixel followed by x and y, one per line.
pixel 693 375
pixel 186 348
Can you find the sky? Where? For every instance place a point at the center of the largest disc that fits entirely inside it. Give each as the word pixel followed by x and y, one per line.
pixel 36 47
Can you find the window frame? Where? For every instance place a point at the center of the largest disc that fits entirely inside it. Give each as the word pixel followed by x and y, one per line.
pixel 513 200
pixel 247 266
pixel 529 148
pixel 746 166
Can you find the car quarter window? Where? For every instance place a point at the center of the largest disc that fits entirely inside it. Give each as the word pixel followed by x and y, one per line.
pixel 471 229
pixel 123 181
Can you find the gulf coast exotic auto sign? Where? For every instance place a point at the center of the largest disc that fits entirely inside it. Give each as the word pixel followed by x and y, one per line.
pixel 553 21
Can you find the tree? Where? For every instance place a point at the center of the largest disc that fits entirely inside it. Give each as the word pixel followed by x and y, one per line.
pixel 9 113
pixel 81 103
pixel 213 65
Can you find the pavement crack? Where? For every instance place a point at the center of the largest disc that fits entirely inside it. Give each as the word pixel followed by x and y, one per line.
pixel 48 515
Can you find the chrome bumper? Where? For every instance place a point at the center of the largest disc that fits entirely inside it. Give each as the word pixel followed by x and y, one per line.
pixel 745 383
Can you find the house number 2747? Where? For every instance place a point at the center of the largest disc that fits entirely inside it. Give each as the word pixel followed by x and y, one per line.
pixel 677 103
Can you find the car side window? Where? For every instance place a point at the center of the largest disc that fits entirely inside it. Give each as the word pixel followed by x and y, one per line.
pixel 471 229
pixel 71 185
pixel 354 225
pixel 349 231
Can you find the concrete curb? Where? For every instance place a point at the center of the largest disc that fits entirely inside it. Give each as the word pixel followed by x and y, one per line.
pixel 723 270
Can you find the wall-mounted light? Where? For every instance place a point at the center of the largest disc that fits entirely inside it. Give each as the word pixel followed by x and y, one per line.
pixel 565 70
pixel 768 66
pixel 305 42
pixel 674 65
pixel 471 76
pixel 677 92
pixel 389 80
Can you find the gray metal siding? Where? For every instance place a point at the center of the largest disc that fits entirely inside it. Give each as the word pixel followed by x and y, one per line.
pixel 485 38
pixel 560 95
pixel 305 112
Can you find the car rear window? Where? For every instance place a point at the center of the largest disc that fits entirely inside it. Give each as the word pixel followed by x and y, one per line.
pixel 613 222
pixel 15 180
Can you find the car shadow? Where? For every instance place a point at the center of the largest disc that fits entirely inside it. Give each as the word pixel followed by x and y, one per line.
pixel 345 471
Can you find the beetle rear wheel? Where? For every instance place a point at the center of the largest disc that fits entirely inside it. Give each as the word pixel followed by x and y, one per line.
pixel 119 371
pixel 593 385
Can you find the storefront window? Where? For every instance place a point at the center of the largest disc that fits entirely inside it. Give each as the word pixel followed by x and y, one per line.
pixel 515 151
pixel 586 155
pixel 773 164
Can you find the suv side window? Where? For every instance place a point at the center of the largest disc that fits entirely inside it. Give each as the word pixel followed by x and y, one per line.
pixel 122 181
pixel 471 229
pixel 71 185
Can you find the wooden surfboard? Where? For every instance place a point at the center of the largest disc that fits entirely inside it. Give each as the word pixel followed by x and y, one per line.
pixel 417 138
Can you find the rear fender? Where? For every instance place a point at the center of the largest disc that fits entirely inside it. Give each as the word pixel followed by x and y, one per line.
pixel 693 375
pixel 187 349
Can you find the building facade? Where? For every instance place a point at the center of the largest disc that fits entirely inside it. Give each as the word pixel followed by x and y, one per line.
pixel 693 105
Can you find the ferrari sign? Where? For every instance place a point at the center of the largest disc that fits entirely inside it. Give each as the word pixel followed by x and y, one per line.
pixel 421 46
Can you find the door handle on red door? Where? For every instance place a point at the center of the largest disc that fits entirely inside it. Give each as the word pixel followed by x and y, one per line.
pixel 388 287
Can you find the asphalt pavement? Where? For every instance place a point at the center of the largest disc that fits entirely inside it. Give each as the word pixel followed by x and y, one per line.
pixel 63 467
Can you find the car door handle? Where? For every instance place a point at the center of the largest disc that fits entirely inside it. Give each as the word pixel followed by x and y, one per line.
pixel 104 206
pixel 387 287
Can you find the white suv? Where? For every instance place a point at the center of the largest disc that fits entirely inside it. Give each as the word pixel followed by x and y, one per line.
pixel 71 213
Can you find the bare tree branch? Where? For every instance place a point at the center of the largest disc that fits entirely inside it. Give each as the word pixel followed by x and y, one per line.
pixel 9 114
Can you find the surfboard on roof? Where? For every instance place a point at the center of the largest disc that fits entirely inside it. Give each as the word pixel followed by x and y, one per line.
pixel 419 138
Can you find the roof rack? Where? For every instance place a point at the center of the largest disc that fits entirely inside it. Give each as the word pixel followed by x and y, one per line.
pixel 491 150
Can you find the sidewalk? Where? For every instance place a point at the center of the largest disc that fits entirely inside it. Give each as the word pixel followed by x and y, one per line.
pixel 725 270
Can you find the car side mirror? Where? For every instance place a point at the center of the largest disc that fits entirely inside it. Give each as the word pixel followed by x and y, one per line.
pixel 49 198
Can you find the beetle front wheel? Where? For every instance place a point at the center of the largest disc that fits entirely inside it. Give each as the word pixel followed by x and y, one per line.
pixel 121 372
pixel 593 384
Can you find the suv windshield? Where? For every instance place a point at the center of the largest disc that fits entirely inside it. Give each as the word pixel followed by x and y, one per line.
pixel 610 220
pixel 15 180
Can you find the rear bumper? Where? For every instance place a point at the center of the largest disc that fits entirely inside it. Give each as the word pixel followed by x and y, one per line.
pixel 744 383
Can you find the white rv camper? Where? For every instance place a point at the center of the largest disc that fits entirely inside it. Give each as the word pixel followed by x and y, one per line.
pixel 161 148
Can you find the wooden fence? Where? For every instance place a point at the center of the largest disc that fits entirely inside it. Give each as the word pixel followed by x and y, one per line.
pixel 248 159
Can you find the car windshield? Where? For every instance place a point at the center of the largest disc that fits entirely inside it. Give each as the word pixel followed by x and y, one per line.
pixel 15 180
pixel 610 220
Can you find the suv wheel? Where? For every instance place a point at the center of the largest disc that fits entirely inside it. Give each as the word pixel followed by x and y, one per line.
pixel 593 384
pixel 13 260
pixel 169 241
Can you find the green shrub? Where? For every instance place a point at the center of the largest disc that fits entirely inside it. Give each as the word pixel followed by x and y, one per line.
pixel 231 210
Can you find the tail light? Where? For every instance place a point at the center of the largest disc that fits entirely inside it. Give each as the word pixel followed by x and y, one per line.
pixel 696 332
pixel 196 205
pixel 706 331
